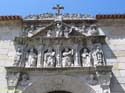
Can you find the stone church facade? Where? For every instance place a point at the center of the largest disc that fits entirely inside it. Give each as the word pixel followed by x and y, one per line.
pixel 62 53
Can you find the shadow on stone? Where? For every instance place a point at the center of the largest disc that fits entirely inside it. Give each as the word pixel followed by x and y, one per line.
pixel 115 86
pixel 59 92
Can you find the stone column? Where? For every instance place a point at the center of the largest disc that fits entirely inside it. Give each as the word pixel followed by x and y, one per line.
pixel 39 60
pixel 77 56
pixel 23 60
pixel 58 56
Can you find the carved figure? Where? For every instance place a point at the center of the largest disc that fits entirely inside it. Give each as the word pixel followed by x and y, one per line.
pixel 49 33
pixel 49 58
pixel 98 56
pixel 83 29
pixel 24 80
pixel 67 57
pixel 85 56
pixel 18 57
pixel 59 30
pixel 93 30
pixel 92 79
pixel 67 31
pixel 32 58
pixel 31 29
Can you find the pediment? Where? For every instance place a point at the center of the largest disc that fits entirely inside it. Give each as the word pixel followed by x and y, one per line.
pixel 55 29
pixel 41 30
pixel 59 29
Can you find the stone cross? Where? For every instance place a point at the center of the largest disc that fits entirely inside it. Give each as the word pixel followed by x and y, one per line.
pixel 58 8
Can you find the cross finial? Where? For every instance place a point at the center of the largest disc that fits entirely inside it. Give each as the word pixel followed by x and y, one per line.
pixel 58 8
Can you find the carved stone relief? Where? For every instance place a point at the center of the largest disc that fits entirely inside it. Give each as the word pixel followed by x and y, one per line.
pixel 49 58
pixel 24 79
pixel 59 31
pixel 93 30
pixel 18 57
pixel 12 79
pixel 92 79
pixel 60 44
pixel 15 79
pixel 67 57
pixel 65 16
pixel 54 35
pixel 85 57
pixel 61 56
pixel 98 55
pixel 32 58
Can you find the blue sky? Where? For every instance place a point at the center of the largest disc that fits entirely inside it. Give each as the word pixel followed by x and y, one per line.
pixel 93 7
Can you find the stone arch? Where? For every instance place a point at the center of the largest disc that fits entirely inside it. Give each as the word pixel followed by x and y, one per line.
pixel 59 83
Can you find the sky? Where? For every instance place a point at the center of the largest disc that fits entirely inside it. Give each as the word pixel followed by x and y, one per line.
pixel 93 7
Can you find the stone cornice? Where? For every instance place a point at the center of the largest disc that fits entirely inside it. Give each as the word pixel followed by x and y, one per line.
pixel 107 68
pixel 98 16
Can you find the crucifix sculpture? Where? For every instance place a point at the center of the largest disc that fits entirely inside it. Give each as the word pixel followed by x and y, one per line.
pixel 58 8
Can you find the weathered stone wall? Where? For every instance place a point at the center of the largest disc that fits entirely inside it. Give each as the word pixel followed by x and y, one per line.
pixel 115 51
pixel 8 31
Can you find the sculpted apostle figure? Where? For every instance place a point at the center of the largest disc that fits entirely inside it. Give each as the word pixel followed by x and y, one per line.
pixel 98 56
pixel 18 57
pixel 85 58
pixel 67 57
pixel 32 58
pixel 49 58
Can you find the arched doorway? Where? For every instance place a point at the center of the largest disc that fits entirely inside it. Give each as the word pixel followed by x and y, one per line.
pixel 59 92
pixel 62 83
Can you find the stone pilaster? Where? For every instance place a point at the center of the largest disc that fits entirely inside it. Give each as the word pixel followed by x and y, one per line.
pixel 12 81
pixel 39 60
pixel 77 56
pixel 58 56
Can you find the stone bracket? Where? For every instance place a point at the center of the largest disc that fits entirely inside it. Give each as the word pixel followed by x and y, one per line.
pixel 12 80
pixel 104 75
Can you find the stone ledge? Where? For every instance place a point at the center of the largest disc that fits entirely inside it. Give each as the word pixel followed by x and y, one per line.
pixel 52 70
pixel 61 70
pixel 104 68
